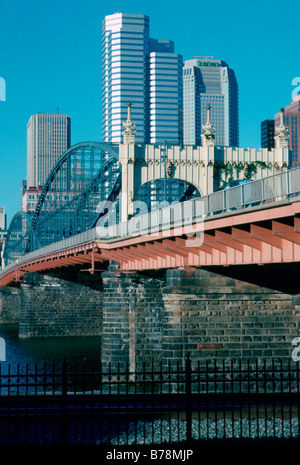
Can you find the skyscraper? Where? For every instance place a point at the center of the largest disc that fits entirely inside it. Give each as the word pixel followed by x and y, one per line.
pixel 144 72
pixel 267 133
pixel 208 81
pixel 166 115
pixel 48 137
pixel 291 119
pixel 2 218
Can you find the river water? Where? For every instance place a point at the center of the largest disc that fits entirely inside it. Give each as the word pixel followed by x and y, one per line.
pixel 47 351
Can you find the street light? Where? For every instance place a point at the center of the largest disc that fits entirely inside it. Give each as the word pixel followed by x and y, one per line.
pixel 164 156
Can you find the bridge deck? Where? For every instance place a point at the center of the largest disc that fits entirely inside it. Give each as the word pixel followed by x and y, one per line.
pixel 268 233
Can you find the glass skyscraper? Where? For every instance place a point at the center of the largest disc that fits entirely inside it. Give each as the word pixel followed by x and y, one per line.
pixel 144 72
pixel 48 137
pixel 267 134
pixel 207 81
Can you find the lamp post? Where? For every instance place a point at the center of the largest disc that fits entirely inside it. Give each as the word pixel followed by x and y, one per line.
pixel 164 156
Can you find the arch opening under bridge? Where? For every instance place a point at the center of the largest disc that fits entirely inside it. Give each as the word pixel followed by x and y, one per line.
pixel 162 192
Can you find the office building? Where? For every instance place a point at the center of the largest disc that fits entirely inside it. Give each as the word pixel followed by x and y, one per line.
pixel 144 72
pixel 48 137
pixel 291 120
pixel 166 98
pixel 267 132
pixel 30 199
pixel 23 188
pixel 210 82
pixel 2 218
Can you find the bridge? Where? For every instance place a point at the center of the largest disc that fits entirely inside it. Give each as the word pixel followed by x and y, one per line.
pixel 128 243
pixel 95 184
pixel 253 223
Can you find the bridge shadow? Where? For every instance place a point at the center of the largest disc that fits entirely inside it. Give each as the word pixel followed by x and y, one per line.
pixel 282 277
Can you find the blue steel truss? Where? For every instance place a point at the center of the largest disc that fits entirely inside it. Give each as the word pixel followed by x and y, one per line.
pixel 19 231
pixel 162 192
pixel 82 181
pixel 83 185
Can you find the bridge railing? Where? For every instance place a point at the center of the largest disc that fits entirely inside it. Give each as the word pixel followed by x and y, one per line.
pixel 269 189
pixel 266 190
pixel 82 238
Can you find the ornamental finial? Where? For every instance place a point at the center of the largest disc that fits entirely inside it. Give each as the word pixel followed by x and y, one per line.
pixel 208 136
pixel 282 136
pixel 129 128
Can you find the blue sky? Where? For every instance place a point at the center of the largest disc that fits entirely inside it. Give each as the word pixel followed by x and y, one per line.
pixel 50 57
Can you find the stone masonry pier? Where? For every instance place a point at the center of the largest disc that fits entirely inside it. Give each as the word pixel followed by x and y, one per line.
pixel 156 317
pixel 10 302
pixel 209 316
pixel 52 306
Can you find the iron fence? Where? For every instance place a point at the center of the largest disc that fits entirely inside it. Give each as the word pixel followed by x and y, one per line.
pixel 168 405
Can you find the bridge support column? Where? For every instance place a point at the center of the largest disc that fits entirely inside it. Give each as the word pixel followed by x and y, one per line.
pixel 214 317
pixel 9 304
pixel 296 302
pixel 132 316
pixel 52 307
pixel 126 158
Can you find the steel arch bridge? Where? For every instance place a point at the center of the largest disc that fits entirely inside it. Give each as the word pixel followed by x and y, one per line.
pixel 73 198
pixel 83 189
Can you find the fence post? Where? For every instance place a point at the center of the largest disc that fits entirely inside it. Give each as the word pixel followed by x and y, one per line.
pixel 242 195
pixel 287 183
pixel 188 391
pixel 64 383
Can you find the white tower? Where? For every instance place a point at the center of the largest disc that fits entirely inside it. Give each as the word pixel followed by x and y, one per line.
pixel 282 136
pixel 208 136
pixel 129 128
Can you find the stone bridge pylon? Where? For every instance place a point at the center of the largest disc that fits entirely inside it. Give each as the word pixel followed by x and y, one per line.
pixel 207 167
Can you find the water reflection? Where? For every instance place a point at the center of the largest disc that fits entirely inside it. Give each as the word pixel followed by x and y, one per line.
pixel 48 350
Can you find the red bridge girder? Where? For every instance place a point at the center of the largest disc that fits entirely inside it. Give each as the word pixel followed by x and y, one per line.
pixel 270 234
